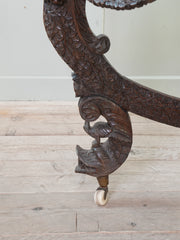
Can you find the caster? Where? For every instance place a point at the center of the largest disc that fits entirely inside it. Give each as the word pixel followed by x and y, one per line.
pixel 101 196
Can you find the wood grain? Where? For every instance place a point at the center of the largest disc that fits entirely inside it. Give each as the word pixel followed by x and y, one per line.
pixel 57 147
pixel 128 235
pixel 38 222
pixel 63 212
pixel 79 183
pixel 17 202
pixel 42 198
pixel 55 118
pixel 66 165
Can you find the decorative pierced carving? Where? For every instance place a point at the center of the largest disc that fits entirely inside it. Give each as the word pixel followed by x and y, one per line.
pixel 69 32
pixel 121 4
pixel 104 158
pixel 103 90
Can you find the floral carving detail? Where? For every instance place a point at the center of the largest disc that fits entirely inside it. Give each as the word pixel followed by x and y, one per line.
pixel 103 90
pixel 69 32
pixel 121 4
pixel 104 158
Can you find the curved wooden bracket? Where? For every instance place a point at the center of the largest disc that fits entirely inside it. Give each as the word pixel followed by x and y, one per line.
pixel 69 32
pixel 103 90
pixel 104 158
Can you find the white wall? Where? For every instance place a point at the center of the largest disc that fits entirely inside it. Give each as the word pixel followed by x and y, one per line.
pixel 145 45
pixel 30 68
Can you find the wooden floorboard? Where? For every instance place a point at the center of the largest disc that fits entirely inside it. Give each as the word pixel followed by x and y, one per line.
pixel 41 198
pixel 57 168
pixel 56 147
pixel 70 212
pixel 174 235
pixel 12 202
pixel 120 219
pixel 55 118
pixel 80 183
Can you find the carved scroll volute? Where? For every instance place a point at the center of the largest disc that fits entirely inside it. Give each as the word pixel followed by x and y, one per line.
pixel 104 158
pixel 68 29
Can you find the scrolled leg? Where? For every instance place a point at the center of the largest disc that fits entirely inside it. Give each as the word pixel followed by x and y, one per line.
pixel 104 158
pixel 103 90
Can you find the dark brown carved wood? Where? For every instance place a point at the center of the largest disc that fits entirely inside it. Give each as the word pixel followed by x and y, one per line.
pixel 102 90
pixel 104 158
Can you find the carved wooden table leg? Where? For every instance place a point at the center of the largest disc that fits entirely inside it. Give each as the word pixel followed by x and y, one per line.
pixel 102 91
pixel 104 158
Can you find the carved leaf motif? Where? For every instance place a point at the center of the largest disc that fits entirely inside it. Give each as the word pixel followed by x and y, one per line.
pixel 104 158
pixel 104 91
pixel 69 32
pixel 121 4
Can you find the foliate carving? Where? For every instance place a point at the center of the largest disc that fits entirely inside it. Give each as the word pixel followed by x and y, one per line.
pixel 121 4
pixel 103 91
pixel 69 32
pixel 104 158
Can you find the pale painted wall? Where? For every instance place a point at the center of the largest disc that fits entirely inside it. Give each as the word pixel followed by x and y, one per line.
pixel 145 44
pixel 30 69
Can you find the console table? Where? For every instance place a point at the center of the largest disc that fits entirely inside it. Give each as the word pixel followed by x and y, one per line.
pixel 102 91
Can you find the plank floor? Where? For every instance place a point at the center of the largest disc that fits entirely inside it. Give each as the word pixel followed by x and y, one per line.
pixel 41 198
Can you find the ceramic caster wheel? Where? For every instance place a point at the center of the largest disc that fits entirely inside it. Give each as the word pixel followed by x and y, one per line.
pixel 101 197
